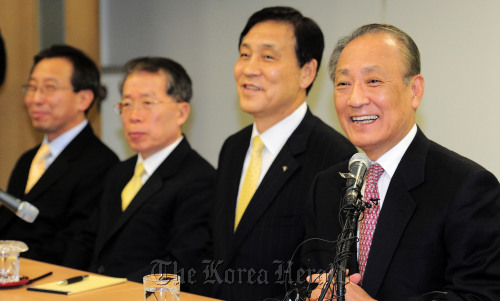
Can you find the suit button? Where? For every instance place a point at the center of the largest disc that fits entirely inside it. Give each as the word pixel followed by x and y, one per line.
pixel 100 269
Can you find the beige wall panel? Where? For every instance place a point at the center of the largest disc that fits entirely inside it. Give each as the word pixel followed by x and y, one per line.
pixel 82 32
pixel 19 27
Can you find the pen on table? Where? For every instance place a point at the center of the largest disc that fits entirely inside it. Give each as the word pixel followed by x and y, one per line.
pixel 38 278
pixel 73 280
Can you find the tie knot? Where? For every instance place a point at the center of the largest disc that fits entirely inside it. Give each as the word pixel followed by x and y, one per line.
pixel 258 145
pixel 139 170
pixel 43 151
pixel 374 173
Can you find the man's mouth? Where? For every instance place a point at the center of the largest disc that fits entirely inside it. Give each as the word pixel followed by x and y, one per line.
pixel 250 87
pixel 364 119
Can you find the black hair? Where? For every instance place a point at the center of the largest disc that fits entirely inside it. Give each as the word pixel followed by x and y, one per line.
pixel 85 73
pixel 309 37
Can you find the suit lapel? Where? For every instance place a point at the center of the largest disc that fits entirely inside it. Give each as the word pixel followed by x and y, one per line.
pixel 283 167
pixel 60 165
pixel 168 168
pixel 396 212
pixel 231 180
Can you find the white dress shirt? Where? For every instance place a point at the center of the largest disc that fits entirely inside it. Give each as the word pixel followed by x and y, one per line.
pixel 274 138
pixel 155 160
pixel 57 145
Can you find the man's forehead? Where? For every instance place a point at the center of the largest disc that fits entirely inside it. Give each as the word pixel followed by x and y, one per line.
pixel 268 39
pixel 366 70
pixel 52 68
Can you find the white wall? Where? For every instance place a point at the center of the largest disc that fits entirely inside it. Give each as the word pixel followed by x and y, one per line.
pixel 459 42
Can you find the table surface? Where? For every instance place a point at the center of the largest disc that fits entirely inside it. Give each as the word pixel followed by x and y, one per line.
pixel 31 268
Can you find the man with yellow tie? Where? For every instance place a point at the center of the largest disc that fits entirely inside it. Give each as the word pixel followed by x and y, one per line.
pixel 155 205
pixel 265 170
pixel 62 176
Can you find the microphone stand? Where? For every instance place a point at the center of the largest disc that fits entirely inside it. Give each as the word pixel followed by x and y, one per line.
pixel 344 244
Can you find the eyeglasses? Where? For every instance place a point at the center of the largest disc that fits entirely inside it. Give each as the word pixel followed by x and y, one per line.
pixel 127 106
pixel 47 90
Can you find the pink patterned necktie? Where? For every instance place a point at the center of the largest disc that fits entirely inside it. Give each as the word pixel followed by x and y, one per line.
pixel 369 221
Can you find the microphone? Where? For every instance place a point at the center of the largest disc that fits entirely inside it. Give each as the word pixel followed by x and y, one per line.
pixel 24 210
pixel 358 166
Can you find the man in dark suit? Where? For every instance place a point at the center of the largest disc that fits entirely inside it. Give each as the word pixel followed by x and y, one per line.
pixel 438 230
pixel 167 218
pixel 280 53
pixel 62 86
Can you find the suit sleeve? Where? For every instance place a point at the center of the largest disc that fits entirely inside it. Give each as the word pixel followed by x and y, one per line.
pixel 472 236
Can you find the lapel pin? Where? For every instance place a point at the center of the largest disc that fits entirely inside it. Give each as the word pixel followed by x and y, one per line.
pixel 285 168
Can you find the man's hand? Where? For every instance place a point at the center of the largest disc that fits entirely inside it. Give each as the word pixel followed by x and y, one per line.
pixel 354 292
pixel 320 279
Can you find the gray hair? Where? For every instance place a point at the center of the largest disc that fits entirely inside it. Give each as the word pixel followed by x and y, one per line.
pixel 179 84
pixel 408 48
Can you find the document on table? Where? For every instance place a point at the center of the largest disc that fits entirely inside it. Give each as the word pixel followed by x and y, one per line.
pixel 90 283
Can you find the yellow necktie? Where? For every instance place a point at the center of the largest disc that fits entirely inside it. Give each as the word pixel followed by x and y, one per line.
pixel 132 186
pixel 250 181
pixel 37 166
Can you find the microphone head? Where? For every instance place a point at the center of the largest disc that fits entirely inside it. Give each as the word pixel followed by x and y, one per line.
pixel 27 212
pixel 361 158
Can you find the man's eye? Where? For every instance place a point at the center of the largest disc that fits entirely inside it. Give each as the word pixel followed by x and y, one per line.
pixel 342 84
pixel 148 103
pixel 126 105
pixel 374 81
pixel 31 88
pixel 49 88
pixel 244 55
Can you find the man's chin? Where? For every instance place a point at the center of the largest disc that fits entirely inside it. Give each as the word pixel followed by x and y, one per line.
pixel 40 127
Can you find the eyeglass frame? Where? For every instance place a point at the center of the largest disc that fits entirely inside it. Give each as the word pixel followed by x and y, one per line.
pixel 146 103
pixel 28 91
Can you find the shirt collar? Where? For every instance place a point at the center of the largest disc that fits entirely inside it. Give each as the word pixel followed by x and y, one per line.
pixel 276 136
pixel 390 160
pixel 59 144
pixel 153 161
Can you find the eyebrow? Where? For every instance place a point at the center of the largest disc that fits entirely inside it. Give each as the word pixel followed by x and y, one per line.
pixel 365 70
pixel 373 68
pixel 43 80
pixel 142 95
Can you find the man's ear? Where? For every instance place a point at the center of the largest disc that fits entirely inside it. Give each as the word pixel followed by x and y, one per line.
pixel 308 73
pixel 417 89
pixel 183 112
pixel 85 98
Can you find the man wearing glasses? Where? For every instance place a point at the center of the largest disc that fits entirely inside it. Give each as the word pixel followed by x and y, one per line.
pixel 155 205
pixel 62 175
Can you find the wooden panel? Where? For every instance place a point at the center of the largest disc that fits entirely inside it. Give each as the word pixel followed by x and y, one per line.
pixel 82 32
pixel 19 27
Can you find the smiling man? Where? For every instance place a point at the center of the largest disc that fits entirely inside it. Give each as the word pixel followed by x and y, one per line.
pixel 155 205
pixel 265 170
pixel 62 86
pixel 434 231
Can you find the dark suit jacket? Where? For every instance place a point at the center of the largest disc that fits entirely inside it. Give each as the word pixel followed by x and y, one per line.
pixel 438 228
pixel 66 194
pixel 272 226
pixel 167 219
